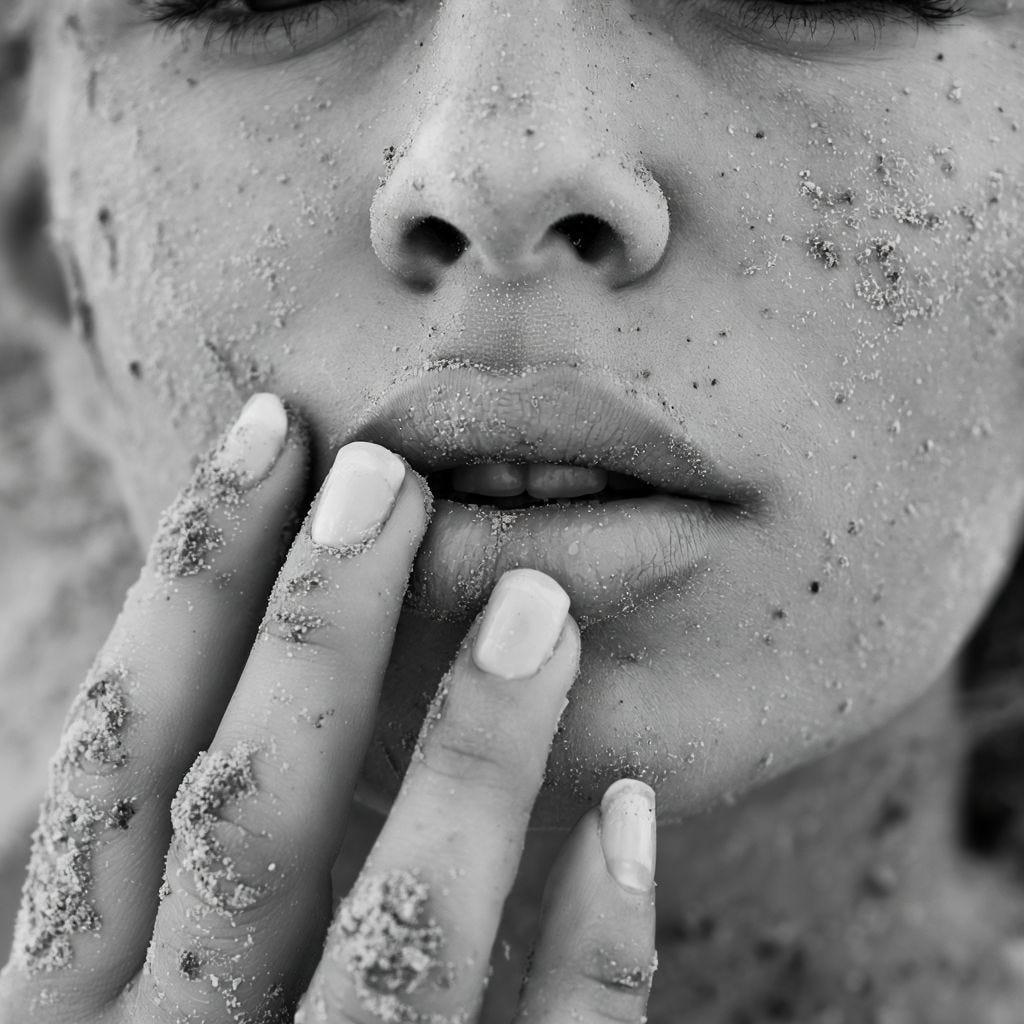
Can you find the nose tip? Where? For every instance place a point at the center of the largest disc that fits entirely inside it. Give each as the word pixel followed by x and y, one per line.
pixel 517 219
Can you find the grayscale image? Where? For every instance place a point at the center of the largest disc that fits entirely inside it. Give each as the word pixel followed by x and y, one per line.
pixel 512 511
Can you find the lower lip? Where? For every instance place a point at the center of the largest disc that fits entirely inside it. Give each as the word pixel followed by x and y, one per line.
pixel 611 557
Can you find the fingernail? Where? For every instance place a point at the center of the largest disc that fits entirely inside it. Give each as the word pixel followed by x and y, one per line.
pixel 522 624
pixel 252 445
pixel 358 497
pixel 629 834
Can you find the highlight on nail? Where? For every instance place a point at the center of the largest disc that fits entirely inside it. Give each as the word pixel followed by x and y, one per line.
pixel 521 625
pixel 358 496
pixel 252 446
pixel 629 834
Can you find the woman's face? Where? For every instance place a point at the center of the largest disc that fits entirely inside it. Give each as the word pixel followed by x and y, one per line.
pixel 763 261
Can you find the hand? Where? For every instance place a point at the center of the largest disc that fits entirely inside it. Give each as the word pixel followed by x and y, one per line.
pixel 153 899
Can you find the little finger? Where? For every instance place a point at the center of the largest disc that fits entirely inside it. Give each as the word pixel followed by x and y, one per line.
pixel 595 957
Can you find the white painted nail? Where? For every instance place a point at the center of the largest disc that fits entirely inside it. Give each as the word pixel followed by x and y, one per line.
pixel 358 497
pixel 629 834
pixel 522 624
pixel 254 442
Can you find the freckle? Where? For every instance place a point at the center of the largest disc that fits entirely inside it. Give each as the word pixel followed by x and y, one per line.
pixel 815 586
pixel 135 369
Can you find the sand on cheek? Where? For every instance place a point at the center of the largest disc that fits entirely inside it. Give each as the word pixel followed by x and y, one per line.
pixel 914 255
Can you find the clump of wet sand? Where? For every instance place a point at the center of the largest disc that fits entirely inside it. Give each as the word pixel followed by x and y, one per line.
pixel 216 778
pixel 57 894
pixel 389 949
pixel 187 536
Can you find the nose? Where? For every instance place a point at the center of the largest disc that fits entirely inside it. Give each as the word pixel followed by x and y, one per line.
pixel 520 163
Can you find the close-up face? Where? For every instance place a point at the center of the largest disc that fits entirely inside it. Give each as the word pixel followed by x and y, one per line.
pixel 711 309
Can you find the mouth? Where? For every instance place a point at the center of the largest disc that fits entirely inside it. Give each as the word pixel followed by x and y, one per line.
pixel 506 485
pixel 559 469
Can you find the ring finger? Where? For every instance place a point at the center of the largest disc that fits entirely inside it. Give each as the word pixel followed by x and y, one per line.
pixel 414 937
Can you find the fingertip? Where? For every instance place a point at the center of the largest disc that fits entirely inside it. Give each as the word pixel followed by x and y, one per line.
pixel 416 492
pixel 521 625
pixel 628 831
pixel 595 956
pixel 252 444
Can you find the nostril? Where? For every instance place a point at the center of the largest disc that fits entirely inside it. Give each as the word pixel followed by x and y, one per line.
pixel 434 237
pixel 591 237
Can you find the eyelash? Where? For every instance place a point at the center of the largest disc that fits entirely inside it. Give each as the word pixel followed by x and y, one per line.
pixel 787 18
pixel 232 28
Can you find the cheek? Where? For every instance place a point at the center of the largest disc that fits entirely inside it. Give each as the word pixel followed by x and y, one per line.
pixel 186 242
pixel 883 283
pixel 908 504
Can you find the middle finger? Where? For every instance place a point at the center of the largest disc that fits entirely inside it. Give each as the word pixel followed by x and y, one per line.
pixel 259 819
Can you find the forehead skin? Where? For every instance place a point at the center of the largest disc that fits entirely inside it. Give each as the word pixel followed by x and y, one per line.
pixel 834 312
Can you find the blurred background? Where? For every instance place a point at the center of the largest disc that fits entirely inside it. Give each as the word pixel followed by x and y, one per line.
pixel 66 556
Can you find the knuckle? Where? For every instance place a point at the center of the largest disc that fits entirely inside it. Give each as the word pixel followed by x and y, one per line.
pixel 199 973
pixel 616 986
pixel 224 863
pixel 478 755
pixel 92 741
pixel 296 616
pixel 188 536
pixel 222 874
pixel 297 630
pixel 85 802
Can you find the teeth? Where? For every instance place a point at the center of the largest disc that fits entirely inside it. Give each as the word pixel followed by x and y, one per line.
pixel 494 480
pixel 547 481
pixel 539 480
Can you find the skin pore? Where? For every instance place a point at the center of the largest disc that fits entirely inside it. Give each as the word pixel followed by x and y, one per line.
pixel 808 262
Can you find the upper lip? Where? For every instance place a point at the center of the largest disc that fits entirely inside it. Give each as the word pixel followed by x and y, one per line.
pixel 449 416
